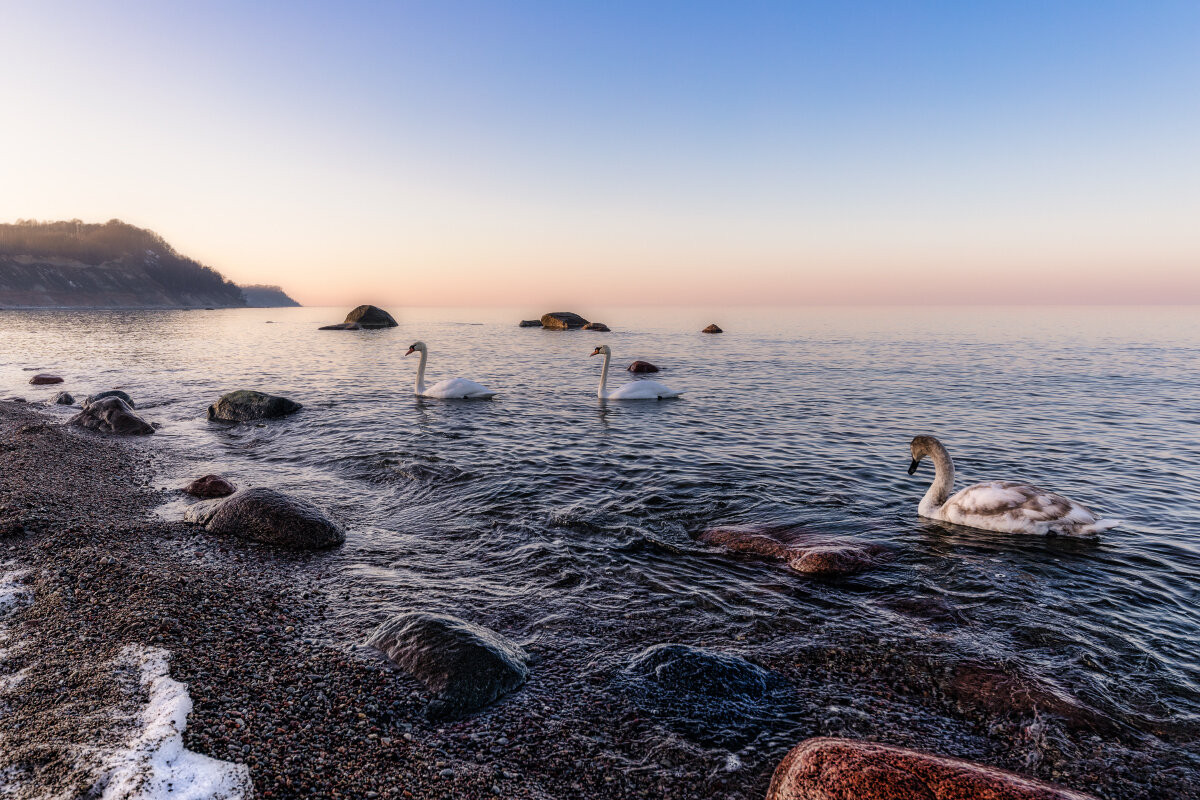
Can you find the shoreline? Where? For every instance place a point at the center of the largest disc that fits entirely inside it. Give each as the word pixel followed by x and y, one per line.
pixel 251 632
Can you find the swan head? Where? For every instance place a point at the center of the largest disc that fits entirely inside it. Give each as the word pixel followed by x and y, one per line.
pixel 922 446
pixel 416 347
pixel 602 350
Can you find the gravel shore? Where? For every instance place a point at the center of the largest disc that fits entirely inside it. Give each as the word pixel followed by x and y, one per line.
pixel 249 630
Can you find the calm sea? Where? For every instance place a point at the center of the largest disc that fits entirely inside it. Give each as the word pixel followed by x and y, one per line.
pixel 552 516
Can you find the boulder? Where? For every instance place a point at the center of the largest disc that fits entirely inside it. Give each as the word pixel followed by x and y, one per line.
pixel 341 326
pixel 210 486
pixel 826 768
pixel 245 405
pixel 371 317
pixel 832 560
pixel 63 399
pixel 712 329
pixel 271 517
pixel 562 321
pixel 642 366
pixel 43 379
pixel 111 415
pixel 596 326
pixel 465 665
pixel 91 398
pixel 804 551
pixel 682 668
pixel 530 323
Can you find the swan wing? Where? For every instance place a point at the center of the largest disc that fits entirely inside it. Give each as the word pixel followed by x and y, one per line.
pixel 1011 507
pixel 458 389
pixel 642 390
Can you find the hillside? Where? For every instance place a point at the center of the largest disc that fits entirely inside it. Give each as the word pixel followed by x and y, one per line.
pixel 260 295
pixel 113 265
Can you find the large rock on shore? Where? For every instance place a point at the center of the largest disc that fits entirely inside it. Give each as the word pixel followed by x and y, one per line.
pixel 562 321
pixel 804 551
pixel 42 379
pixel 465 665
pixel 840 769
pixel 246 406
pixel 371 317
pixel 111 415
pixel 265 515
pixel 91 398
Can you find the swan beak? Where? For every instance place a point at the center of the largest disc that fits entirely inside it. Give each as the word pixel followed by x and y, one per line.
pixel 913 466
pixel 411 350
pixel 595 352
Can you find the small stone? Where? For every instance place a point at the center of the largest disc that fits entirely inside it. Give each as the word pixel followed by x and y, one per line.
pixel 712 329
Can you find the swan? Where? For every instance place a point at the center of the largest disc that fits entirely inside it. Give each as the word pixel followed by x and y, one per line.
pixel 1003 506
pixel 634 390
pixel 452 389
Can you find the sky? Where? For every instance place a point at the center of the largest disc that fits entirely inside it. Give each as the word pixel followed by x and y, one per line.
pixel 572 154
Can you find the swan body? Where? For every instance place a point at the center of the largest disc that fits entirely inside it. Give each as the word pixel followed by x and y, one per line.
pixel 634 390
pixel 451 389
pixel 1002 506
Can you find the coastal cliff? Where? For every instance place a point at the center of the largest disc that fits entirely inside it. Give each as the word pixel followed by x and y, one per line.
pixel 262 296
pixel 114 265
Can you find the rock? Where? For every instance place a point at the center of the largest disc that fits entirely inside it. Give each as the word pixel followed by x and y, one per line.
pixel 63 399
pixel 91 398
pixel 43 379
pixel 1006 692
pixel 465 665
pixel 804 551
pixel 530 323
pixel 371 317
pixel 210 486
pixel 271 517
pixel 111 415
pixel 826 768
pixel 642 366
pixel 245 405
pixel 341 326
pixel 681 668
pixel 712 329
pixel 596 326
pixel 562 321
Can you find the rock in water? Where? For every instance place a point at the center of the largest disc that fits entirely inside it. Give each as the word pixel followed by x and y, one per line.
pixel 530 323
pixel 63 399
pixel 806 552
pixel 111 415
pixel 245 406
pixel 42 379
pixel 642 366
pixel 681 668
pixel 91 398
pixel 596 326
pixel 341 326
pixel 823 768
pixel 467 666
pixel 712 329
pixel 371 317
pixel 562 321
pixel 271 517
pixel 210 486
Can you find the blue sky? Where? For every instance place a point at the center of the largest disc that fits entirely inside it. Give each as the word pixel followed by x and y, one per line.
pixel 474 152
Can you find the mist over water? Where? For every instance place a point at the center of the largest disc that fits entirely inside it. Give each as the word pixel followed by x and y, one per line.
pixel 562 520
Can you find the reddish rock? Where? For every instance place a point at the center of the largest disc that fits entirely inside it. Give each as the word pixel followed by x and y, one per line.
pixel 642 366
pixel 841 769
pixel 210 486
pixel 833 560
pixel 1005 692
pixel 804 551
pixel 562 321
pixel 596 326
pixel 42 379
pixel 712 329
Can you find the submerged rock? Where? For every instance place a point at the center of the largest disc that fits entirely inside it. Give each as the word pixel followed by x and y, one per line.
pixel 91 398
pixel 562 321
pixel 712 329
pixel 465 665
pixel 341 326
pixel 371 317
pixel 271 517
pixel 1006 692
pixel 210 486
pixel 43 379
pixel 530 323
pixel 245 406
pixel 824 768
pixel 111 415
pixel 682 668
pixel 805 552
pixel 63 399
pixel 833 560
pixel 642 366
pixel 596 326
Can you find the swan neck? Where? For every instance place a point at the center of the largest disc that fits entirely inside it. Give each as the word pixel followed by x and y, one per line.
pixel 943 479
pixel 604 375
pixel 421 372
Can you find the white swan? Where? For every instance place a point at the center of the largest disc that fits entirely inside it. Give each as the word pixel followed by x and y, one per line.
pixel 452 389
pixel 634 390
pixel 1004 506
